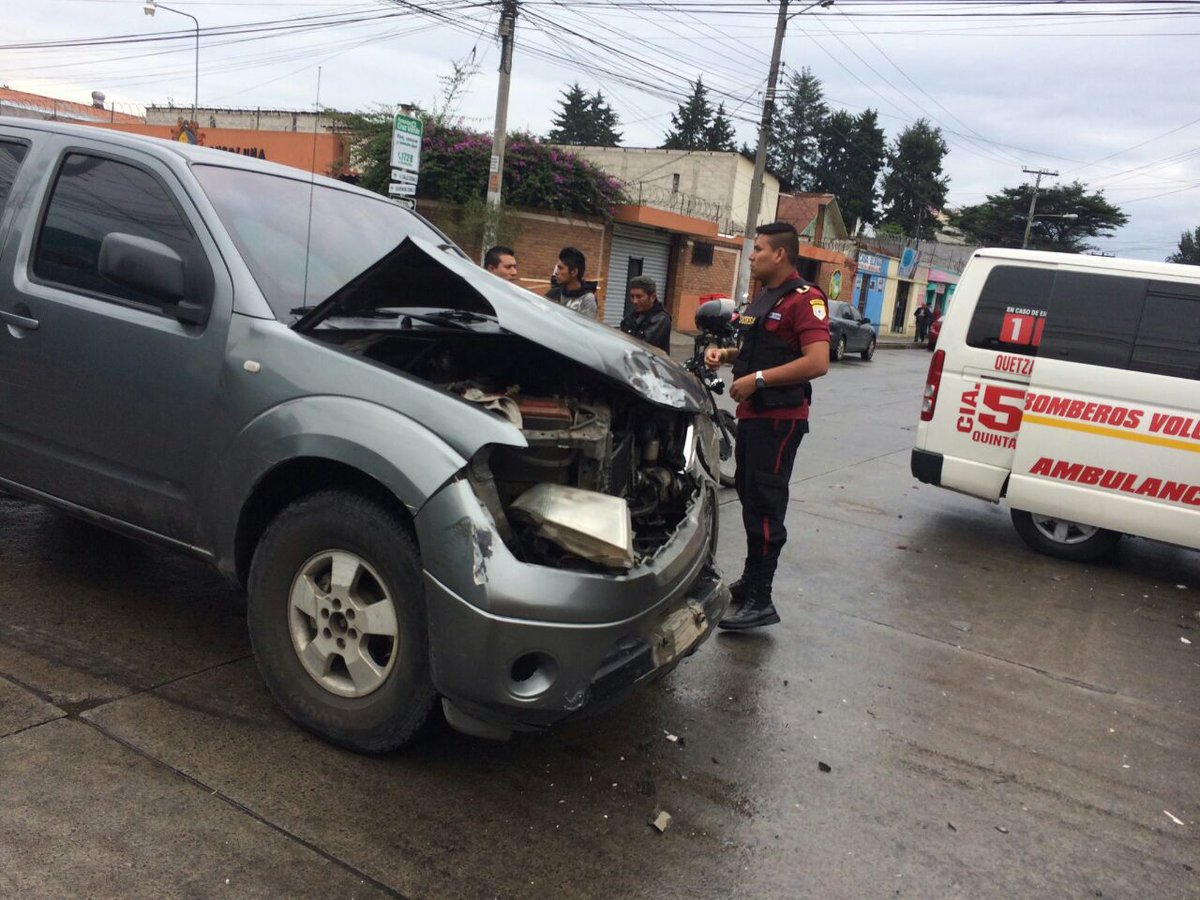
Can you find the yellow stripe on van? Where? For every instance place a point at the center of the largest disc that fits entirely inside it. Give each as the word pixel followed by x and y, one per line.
pixel 1119 433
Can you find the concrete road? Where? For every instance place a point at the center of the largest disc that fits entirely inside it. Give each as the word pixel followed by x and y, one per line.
pixel 941 713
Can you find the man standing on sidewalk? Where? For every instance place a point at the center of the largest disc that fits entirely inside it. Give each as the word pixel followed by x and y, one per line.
pixel 784 345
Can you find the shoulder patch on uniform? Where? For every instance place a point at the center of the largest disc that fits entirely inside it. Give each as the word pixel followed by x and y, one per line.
pixel 818 307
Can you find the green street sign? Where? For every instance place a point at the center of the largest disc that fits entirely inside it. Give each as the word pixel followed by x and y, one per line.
pixel 406 143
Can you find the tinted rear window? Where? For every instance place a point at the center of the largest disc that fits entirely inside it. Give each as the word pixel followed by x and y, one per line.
pixel 1115 321
pixel 1011 310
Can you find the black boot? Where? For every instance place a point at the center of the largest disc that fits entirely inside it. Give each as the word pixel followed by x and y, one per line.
pixel 756 611
pixel 740 590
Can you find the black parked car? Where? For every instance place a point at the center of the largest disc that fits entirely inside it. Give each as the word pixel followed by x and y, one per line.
pixel 849 332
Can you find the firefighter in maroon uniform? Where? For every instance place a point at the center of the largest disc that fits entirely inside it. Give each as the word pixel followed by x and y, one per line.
pixel 784 345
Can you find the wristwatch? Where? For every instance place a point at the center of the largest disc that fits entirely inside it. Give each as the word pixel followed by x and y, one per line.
pixel 759 381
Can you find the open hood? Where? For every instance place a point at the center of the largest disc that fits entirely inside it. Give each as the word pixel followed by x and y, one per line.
pixel 421 275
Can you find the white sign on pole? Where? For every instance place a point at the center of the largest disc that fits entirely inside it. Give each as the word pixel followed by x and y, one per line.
pixel 406 143
pixel 396 189
pixel 404 177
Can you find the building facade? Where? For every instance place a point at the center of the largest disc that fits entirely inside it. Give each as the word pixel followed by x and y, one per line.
pixel 698 184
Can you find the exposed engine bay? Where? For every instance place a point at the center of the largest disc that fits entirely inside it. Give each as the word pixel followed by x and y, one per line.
pixel 607 477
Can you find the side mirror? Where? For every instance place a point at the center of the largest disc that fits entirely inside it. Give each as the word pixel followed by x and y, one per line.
pixel 866 321
pixel 153 268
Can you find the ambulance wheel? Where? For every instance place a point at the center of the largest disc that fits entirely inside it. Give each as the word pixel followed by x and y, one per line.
pixel 1062 538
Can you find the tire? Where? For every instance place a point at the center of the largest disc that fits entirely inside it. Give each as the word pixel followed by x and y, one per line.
pixel 728 447
pixel 869 353
pixel 1064 539
pixel 838 353
pixel 347 661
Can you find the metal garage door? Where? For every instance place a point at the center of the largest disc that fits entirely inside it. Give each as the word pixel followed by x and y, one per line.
pixel 635 251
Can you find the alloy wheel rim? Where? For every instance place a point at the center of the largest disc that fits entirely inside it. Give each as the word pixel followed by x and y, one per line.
pixel 1062 531
pixel 342 622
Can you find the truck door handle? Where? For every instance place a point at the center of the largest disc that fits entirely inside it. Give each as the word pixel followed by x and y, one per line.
pixel 19 321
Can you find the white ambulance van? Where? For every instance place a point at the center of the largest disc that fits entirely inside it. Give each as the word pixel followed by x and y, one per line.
pixel 1069 386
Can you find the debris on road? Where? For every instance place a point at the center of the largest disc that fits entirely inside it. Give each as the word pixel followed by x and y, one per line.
pixel 1184 640
pixel 1002 829
pixel 661 822
pixel 1182 587
pixel 1173 818
pixel 824 767
pixel 950 825
pixel 961 625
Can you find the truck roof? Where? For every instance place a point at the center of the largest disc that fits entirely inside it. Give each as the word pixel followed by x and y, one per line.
pixel 191 153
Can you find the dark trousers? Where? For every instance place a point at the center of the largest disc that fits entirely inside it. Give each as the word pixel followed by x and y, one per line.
pixel 765 453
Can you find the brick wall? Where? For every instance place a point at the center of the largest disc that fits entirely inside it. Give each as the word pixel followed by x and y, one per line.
pixel 689 281
pixel 542 236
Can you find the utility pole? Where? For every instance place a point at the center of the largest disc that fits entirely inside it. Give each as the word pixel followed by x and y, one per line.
pixel 507 31
pixel 764 136
pixel 1033 200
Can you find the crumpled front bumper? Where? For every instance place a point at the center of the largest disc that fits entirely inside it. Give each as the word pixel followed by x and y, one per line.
pixel 523 646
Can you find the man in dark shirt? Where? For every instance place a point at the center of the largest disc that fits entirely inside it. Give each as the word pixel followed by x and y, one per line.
pixel 648 321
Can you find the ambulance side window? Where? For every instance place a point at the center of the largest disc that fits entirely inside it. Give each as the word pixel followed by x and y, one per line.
pixel 1011 310
pixel 1093 319
pixel 1168 337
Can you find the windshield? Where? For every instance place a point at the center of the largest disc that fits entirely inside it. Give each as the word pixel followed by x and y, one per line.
pixel 268 216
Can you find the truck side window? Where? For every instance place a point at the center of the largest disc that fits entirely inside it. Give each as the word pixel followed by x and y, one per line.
pixel 93 197
pixel 1093 319
pixel 1011 310
pixel 1168 336
pixel 11 155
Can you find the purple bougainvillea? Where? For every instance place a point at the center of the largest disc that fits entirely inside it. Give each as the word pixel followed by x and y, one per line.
pixel 455 161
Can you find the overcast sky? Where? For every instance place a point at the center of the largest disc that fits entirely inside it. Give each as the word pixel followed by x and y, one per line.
pixel 1108 99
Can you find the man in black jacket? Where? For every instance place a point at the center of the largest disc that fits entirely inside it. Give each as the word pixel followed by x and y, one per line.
pixel 648 321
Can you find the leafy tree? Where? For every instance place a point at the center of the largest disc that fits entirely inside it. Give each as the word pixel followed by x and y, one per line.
pixel 799 123
pixel 852 154
pixel 586 121
pixel 691 123
pixel 1067 215
pixel 837 163
pixel 914 183
pixel 720 135
pixel 605 121
pixel 1189 248
pixel 369 139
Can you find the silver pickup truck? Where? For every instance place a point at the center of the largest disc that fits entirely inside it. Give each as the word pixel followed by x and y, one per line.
pixel 431 483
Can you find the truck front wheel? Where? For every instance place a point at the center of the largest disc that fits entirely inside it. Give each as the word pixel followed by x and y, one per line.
pixel 336 616
pixel 1062 538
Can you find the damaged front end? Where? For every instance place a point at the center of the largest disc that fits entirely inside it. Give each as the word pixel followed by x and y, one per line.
pixel 572 557
pixel 602 485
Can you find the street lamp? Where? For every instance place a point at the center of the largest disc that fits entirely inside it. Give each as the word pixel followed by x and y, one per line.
pixel 764 135
pixel 152 6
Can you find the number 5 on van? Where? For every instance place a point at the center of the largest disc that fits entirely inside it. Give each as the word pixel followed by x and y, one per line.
pixel 1005 407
